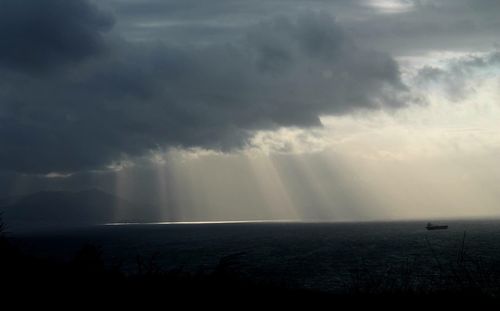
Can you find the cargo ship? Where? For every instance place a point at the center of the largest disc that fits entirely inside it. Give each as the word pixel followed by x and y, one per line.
pixel 435 227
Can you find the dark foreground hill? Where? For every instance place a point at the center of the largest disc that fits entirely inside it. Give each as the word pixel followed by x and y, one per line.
pixel 58 209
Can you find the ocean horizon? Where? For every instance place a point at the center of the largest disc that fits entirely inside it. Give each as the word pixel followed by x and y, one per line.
pixel 323 256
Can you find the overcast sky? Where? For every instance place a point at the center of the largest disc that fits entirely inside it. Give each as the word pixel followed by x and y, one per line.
pixel 282 109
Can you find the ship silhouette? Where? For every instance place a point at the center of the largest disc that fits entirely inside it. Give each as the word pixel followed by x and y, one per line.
pixel 430 226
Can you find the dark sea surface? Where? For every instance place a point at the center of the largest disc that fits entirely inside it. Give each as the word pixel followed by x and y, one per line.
pixel 324 256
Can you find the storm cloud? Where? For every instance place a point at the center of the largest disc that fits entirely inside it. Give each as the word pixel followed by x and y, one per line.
pixel 262 109
pixel 40 35
pixel 137 97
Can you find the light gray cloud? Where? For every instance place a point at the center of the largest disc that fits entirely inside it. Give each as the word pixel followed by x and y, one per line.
pixel 421 26
pixel 468 25
pixel 459 77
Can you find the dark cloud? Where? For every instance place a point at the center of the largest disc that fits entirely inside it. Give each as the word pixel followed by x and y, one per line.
pixel 195 21
pixel 39 35
pixel 146 96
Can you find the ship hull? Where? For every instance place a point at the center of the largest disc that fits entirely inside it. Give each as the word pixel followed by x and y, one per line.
pixel 437 228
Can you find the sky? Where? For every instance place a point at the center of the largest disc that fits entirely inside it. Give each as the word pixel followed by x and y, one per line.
pixel 341 110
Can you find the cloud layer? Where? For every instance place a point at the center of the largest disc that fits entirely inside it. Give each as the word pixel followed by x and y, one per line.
pixel 98 108
pixel 41 35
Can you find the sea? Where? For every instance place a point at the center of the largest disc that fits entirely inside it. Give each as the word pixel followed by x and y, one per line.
pixel 318 256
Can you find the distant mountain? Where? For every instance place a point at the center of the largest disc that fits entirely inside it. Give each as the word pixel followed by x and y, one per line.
pixel 70 209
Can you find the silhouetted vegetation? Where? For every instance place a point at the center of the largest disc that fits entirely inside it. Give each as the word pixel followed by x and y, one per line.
pixel 87 277
pixel 464 276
